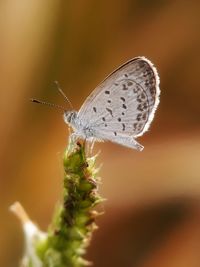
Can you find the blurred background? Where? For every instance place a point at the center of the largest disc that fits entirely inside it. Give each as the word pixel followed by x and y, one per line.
pixel 152 213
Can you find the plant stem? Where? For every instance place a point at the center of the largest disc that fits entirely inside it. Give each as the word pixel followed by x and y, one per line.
pixel 73 223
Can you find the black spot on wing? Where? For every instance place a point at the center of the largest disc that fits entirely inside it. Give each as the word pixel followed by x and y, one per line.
pixel 139 117
pixel 110 111
pixel 130 83
pixel 124 87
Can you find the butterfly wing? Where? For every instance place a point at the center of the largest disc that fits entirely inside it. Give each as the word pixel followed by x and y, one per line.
pixel 124 103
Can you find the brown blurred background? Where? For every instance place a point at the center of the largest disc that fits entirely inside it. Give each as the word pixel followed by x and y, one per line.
pixel 152 213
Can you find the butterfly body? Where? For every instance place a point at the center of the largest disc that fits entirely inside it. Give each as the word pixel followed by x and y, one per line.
pixel 81 129
pixel 121 108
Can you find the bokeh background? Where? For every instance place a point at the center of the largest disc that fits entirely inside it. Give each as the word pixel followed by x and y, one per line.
pixel 152 210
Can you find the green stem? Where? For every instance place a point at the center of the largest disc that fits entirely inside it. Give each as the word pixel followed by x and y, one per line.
pixel 74 220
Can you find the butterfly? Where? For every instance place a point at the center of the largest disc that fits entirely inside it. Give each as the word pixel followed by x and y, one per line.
pixel 121 108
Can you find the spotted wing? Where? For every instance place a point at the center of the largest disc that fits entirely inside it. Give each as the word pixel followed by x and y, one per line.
pixel 124 103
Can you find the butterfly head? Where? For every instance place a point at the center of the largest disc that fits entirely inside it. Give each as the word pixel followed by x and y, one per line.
pixel 70 116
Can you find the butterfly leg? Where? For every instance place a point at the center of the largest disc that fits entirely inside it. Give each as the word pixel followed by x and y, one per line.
pixel 73 137
pixel 92 145
pixel 88 146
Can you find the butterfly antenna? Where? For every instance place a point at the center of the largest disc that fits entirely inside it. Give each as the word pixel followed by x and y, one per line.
pixel 48 104
pixel 63 94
